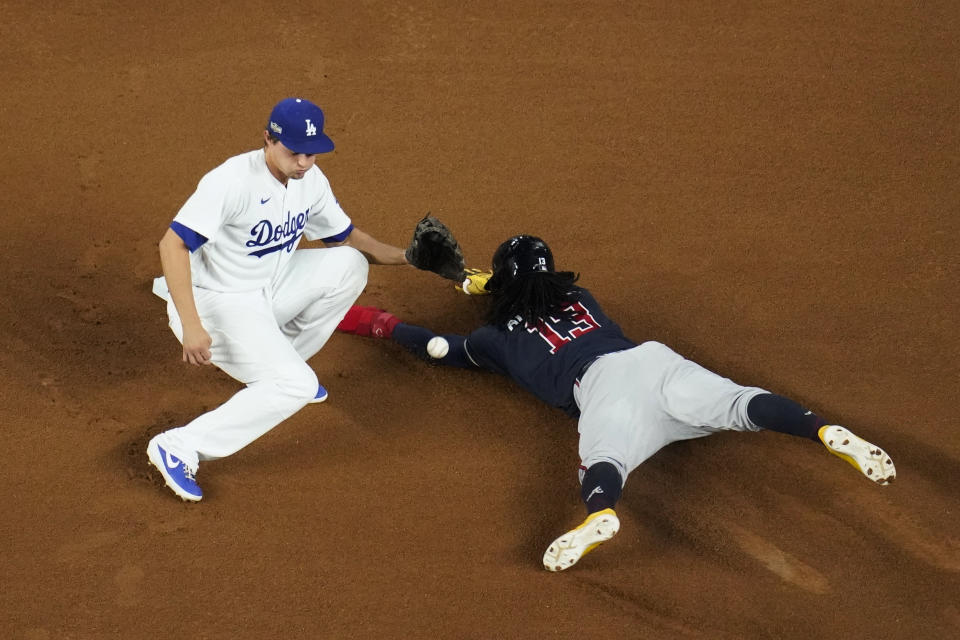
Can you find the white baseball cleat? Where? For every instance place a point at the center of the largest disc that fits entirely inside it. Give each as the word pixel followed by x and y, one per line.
pixel 869 459
pixel 566 550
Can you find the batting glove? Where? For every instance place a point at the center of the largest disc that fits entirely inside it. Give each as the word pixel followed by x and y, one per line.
pixel 475 284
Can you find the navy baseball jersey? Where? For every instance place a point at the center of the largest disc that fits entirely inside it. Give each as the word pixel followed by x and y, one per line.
pixel 547 359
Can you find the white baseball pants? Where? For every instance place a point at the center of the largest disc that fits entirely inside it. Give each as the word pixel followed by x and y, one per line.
pixel 263 339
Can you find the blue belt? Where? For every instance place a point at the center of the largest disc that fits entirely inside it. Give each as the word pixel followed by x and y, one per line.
pixel 583 369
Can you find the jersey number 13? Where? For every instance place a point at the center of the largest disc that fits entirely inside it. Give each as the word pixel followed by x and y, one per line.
pixel 560 331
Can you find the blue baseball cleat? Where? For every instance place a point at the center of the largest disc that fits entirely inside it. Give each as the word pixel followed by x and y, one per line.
pixel 178 476
pixel 321 395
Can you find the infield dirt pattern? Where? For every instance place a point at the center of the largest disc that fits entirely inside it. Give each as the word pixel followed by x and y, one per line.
pixel 770 189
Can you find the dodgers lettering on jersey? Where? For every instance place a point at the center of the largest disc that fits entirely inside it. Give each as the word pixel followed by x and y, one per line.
pixel 268 237
pixel 546 359
pixel 251 223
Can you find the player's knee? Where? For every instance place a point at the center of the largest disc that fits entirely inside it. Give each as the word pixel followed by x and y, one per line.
pixel 305 386
pixel 296 385
pixel 356 273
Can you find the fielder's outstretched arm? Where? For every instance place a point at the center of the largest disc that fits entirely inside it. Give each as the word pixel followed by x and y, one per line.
pixel 375 251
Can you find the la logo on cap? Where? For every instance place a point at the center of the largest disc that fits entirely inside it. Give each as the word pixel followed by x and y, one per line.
pixel 307 137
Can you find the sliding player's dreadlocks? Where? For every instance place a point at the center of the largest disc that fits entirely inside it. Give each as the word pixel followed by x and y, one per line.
pixel 525 284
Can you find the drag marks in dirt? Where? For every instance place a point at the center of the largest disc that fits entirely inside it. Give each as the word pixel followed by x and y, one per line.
pixel 902 527
pixel 871 520
pixel 787 567
pixel 649 608
pixel 636 605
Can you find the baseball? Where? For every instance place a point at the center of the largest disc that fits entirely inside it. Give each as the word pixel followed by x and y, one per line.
pixel 437 347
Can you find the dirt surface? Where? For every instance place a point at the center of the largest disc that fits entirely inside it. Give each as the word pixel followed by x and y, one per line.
pixel 770 189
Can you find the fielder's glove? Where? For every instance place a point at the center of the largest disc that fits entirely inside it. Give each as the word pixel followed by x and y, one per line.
pixel 433 248
pixel 475 282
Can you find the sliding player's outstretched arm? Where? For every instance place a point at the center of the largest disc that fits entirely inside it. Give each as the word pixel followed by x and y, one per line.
pixel 447 349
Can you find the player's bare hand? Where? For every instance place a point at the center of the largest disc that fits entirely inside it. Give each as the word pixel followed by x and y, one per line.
pixel 196 346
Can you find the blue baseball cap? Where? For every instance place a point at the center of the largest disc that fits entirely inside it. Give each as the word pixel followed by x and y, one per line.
pixel 298 124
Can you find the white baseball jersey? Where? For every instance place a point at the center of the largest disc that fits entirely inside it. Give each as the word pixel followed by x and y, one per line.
pixel 267 308
pixel 252 223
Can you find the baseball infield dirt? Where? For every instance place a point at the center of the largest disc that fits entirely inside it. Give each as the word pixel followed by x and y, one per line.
pixel 770 189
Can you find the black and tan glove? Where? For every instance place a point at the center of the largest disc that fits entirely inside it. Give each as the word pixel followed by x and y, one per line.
pixel 433 248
